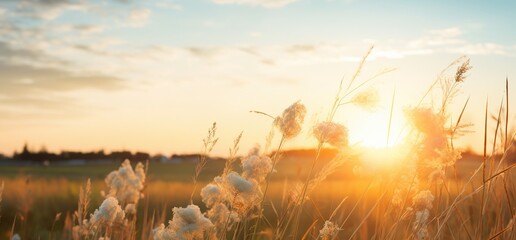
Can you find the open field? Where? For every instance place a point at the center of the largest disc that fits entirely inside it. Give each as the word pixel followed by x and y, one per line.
pixel 35 194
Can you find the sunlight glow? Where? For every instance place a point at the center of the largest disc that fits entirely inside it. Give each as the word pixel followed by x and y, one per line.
pixel 371 130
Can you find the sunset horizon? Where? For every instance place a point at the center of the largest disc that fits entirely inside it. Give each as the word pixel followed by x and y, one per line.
pixel 257 119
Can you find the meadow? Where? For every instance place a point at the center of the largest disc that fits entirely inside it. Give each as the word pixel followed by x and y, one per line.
pixel 423 188
pixel 37 193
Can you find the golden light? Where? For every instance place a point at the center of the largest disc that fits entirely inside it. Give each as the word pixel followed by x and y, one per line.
pixel 371 130
pixel 368 134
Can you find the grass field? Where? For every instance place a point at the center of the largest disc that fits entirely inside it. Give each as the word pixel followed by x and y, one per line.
pixel 36 193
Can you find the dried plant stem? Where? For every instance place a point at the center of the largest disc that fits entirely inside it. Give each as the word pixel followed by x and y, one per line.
pixel 208 144
pixel 267 182
pixel 481 222
pixel 305 187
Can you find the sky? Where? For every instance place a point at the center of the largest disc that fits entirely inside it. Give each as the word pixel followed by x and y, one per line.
pixel 154 75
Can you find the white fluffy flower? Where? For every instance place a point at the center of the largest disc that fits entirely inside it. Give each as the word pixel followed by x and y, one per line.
pixel 163 233
pixel 333 133
pixel 291 120
pixel 329 230
pixel 238 183
pixel 219 215
pixel 125 184
pixel 187 223
pixel 423 200
pixel 422 216
pixel 420 224
pixel 108 213
pixel 425 120
pixel 368 99
pixel 244 194
pixel 130 209
pixel 256 166
pixel 212 194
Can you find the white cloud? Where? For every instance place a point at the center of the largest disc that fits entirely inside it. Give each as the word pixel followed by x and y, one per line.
pixel 263 3
pixel 169 5
pixel 81 28
pixel 47 10
pixel 480 49
pixel 138 17
pixel 439 37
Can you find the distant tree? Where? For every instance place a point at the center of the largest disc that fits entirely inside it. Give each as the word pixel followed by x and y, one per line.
pixel 141 157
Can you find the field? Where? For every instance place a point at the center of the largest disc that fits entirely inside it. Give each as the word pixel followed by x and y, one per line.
pixel 35 194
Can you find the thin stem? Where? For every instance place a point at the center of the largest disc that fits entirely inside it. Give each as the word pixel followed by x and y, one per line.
pixel 274 161
pixel 305 187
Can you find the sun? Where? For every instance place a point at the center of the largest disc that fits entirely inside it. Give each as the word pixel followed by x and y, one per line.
pixel 371 129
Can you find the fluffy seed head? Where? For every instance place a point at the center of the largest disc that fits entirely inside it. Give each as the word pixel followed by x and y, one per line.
pixel 425 120
pixel 108 213
pixel 190 223
pixel 212 194
pixel 256 166
pixel 423 200
pixel 329 230
pixel 368 99
pixel 420 224
pixel 219 215
pixel 130 209
pixel 333 133
pixel 460 75
pixel 238 183
pixel 289 123
pixel 125 183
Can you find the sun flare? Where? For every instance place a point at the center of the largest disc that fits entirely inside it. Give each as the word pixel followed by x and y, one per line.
pixel 371 130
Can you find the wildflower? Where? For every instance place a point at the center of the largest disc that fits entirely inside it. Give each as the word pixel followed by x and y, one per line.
pixel 449 157
pixel 186 223
pixel 238 183
pixel 367 99
pixel 190 222
pixel 426 121
pixel 296 191
pixel 256 166
pixel 244 194
pixel 460 75
pixel 130 209
pixel 219 215
pixel 420 224
pixel 435 149
pixel 329 231
pixel 422 203
pixel 125 183
pixel 212 194
pixel 291 120
pixel 333 133
pixel 423 200
pixel 108 213
pixel 436 176
pixel 422 216
pixel 163 233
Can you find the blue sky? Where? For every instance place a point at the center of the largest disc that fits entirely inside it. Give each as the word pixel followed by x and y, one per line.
pixel 153 75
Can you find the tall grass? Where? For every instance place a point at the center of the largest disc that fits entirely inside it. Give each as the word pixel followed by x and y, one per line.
pixel 428 192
